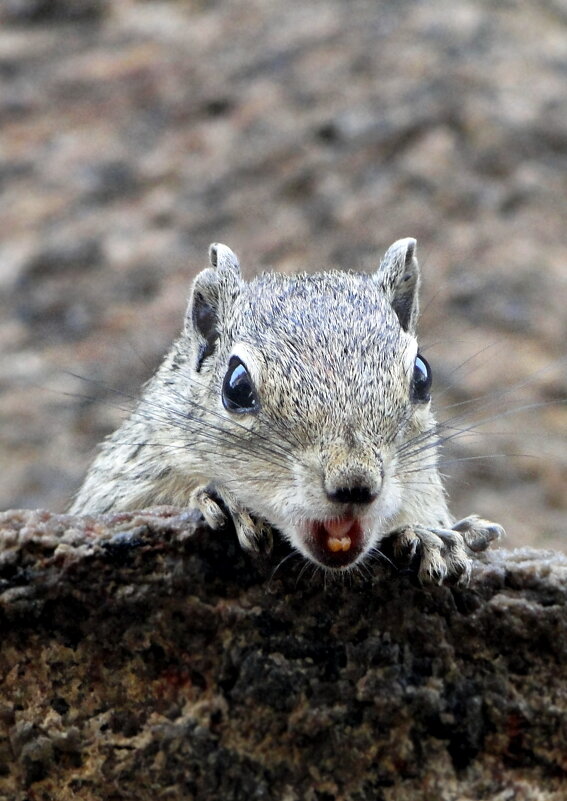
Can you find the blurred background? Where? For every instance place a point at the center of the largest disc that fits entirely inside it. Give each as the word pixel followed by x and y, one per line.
pixel 304 135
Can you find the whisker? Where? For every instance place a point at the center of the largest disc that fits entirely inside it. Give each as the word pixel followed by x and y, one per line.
pixel 445 462
pixel 292 555
pixel 446 425
pixel 476 367
pixel 503 393
pixel 306 565
pixel 151 410
pixel 379 555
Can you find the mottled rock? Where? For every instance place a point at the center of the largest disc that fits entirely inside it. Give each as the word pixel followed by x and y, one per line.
pixel 63 256
pixel 145 657
pixel 37 11
pixel 108 181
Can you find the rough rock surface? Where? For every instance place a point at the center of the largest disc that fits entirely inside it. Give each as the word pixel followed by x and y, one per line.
pixel 304 135
pixel 144 658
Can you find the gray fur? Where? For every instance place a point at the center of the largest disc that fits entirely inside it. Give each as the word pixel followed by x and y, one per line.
pixel 331 356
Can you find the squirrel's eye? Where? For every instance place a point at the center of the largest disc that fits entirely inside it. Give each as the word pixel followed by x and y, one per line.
pixel 238 393
pixel 421 382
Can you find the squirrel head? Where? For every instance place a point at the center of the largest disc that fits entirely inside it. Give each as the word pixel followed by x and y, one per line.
pixel 310 384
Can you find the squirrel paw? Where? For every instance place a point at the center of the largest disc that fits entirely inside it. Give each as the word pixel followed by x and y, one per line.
pixel 444 553
pixel 253 535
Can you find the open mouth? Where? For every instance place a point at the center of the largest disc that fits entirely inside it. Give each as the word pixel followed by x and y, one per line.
pixel 335 543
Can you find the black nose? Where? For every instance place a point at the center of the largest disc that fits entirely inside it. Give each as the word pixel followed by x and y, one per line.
pixel 356 494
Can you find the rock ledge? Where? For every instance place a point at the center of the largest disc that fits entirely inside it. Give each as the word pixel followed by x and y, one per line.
pixel 144 657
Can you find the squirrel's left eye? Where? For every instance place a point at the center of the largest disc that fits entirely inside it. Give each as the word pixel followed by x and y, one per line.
pixel 421 382
pixel 238 392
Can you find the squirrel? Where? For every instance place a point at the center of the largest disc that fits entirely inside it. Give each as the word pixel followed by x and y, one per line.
pixel 299 403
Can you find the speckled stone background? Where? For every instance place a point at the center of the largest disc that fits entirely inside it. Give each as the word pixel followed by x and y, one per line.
pixel 304 135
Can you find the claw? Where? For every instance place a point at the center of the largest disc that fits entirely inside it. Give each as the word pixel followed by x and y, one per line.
pixel 459 565
pixel 248 532
pixel 207 505
pixel 433 568
pixel 253 535
pixel 405 544
pixel 478 533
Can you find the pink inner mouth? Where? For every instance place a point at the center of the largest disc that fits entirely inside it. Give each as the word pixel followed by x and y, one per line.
pixel 335 543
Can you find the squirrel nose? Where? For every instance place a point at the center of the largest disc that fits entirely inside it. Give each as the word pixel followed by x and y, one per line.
pixel 353 478
pixel 359 493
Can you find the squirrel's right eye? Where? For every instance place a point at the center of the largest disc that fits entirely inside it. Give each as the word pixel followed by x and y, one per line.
pixel 238 393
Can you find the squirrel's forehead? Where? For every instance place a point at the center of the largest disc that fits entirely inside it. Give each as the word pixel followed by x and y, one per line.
pixel 322 304
pixel 344 334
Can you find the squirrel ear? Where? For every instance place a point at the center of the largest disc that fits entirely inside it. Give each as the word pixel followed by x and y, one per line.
pixel 212 291
pixel 398 274
pixel 222 258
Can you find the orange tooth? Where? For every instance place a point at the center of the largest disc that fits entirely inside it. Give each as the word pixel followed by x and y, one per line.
pixel 335 544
